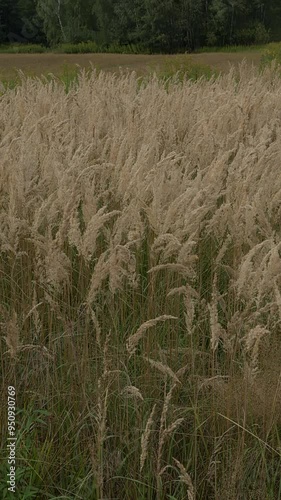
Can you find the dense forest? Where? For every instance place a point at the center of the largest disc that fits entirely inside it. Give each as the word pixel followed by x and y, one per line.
pixel 155 25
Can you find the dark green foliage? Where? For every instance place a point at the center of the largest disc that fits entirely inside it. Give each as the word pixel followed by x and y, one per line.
pixel 167 26
pixel 9 20
pixel 19 22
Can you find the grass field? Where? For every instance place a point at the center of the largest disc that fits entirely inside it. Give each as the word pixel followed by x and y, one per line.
pixel 140 290
pixel 38 64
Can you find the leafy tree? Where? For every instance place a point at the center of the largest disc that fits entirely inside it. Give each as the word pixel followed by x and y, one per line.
pixel 106 17
pixel 236 21
pixel 31 24
pixel 10 23
pixel 128 25
pixel 67 20
pixel 160 25
pixel 172 24
pixel 52 14
pixel 272 17
pixel 80 21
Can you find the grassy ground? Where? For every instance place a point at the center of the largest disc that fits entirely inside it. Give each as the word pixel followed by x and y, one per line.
pixel 64 65
pixel 93 48
pixel 233 48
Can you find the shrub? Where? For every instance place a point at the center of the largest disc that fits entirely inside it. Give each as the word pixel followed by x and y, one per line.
pixel 254 34
pixel 23 49
pixel 77 48
pixel 93 47
pixel 270 54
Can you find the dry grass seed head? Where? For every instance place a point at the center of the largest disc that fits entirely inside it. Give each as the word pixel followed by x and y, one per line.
pixel 165 369
pixel 13 335
pixel 133 341
pixel 145 437
pixel 162 433
pixel 185 478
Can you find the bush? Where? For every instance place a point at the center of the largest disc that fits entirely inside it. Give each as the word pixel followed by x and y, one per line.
pixel 254 34
pixel 23 49
pixel 130 48
pixel 78 48
pixel 231 48
pixel 271 53
pixel 211 39
pixel 93 47
pixel 179 70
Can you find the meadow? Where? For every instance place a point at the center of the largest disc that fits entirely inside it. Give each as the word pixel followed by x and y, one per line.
pixel 140 300
pixel 62 64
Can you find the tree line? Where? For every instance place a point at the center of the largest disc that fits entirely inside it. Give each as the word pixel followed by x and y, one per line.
pixel 155 25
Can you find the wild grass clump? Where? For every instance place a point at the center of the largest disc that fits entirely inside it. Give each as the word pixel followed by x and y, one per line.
pixel 20 48
pixel 77 48
pixel 178 70
pixel 140 286
pixel 233 48
pixel 270 54
pixel 94 47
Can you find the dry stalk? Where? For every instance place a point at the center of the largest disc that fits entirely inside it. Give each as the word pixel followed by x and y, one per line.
pixel 133 341
pixel 145 437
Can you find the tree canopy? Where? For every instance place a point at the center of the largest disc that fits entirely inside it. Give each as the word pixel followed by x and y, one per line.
pixel 158 25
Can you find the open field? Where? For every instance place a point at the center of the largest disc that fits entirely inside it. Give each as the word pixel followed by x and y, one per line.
pixel 37 64
pixel 222 61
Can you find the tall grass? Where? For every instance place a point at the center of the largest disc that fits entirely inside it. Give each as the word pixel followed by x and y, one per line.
pixel 234 48
pixel 140 286
pixel 179 69
pixel 74 48
pixel 19 48
pixel 93 47
pixel 115 48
